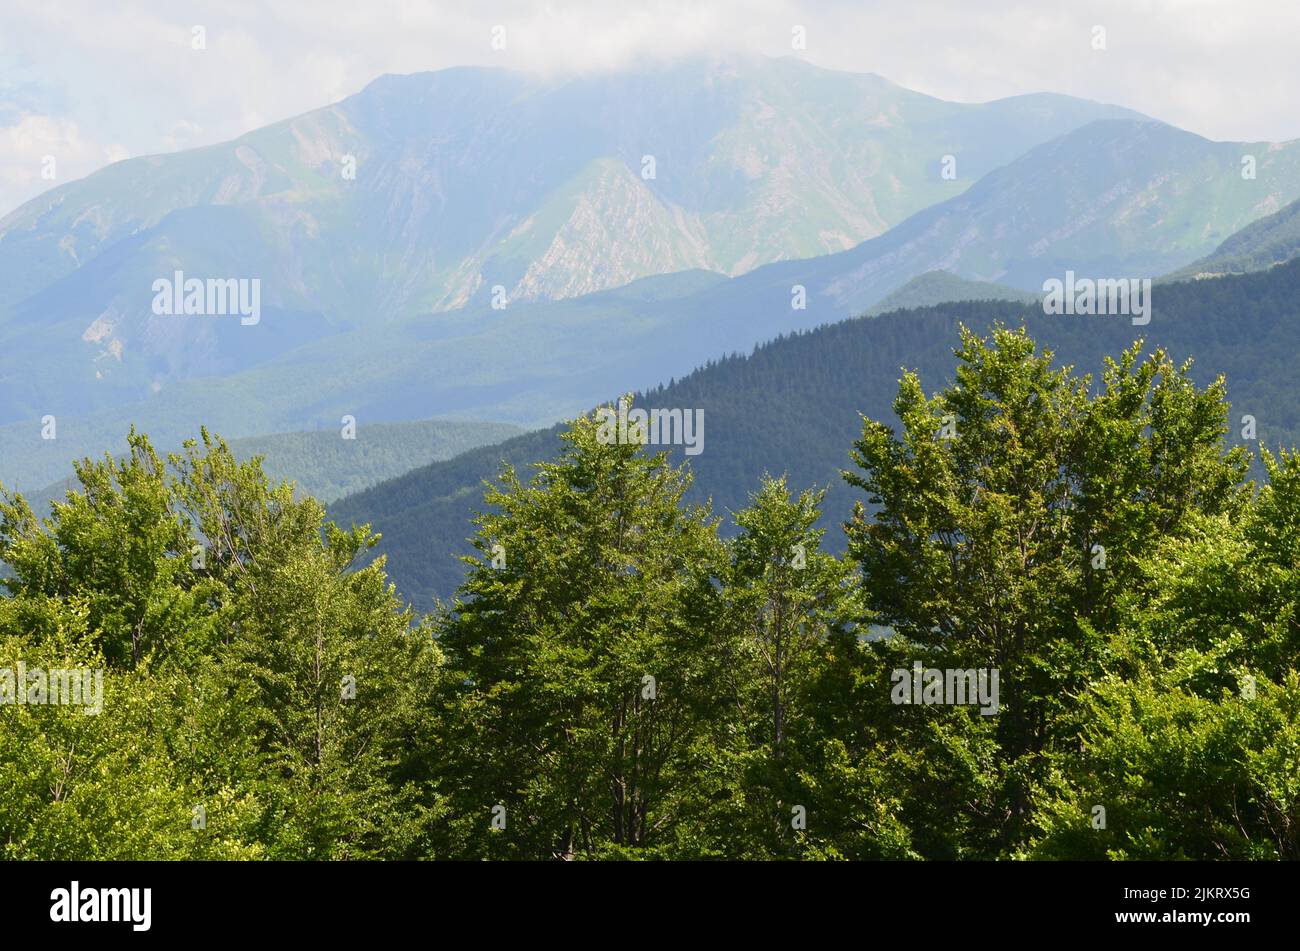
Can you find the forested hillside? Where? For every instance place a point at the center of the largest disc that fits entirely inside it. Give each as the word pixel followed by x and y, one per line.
pixel 792 406
pixel 325 466
pixel 1094 652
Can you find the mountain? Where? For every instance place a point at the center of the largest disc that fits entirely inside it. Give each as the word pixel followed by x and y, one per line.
pixel 533 361
pixel 1261 244
pixel 1113 198
pixel 467 178
pixel 941 287
pixel 792 406
pixel 326 466
pixel 422 193
pixel 1116 198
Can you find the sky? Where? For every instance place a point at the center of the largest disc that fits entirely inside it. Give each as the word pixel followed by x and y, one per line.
pixel 88 83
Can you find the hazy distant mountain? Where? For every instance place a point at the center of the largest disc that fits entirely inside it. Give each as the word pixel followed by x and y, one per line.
pixel 1260 245
pixel 470 178
pixel 532 361
pixel 942 287
pixel 326 466
pixel 1116 198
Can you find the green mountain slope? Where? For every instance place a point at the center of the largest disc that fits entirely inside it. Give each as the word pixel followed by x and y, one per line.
pixel 1141 198
pixel 532 362
pixel 941 287
pixel 327 466
pixel 793 405
pixel 1261 244
pixel 422 193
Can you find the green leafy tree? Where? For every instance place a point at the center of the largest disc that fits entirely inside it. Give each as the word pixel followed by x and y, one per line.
pixel 584 662
pixel 118 545
pixel 784 599
pixel 261 693
pixel 1010 513
pixel 1191 741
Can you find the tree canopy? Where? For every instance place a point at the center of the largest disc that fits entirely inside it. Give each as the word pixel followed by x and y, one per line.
pixel 1065 626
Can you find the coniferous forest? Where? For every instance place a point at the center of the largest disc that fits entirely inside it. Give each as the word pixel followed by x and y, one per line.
pixel 793 405
pixel 626 673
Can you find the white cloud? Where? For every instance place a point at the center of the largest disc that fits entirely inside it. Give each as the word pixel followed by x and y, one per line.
pixel 126 73
pixel 40 152
pixel 183 134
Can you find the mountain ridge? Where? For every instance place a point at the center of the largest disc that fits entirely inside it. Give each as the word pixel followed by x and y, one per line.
pixel 792 405
pixel 1135 205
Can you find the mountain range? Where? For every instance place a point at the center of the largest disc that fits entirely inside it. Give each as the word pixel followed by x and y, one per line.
pixel 770 183
pixel 794 405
